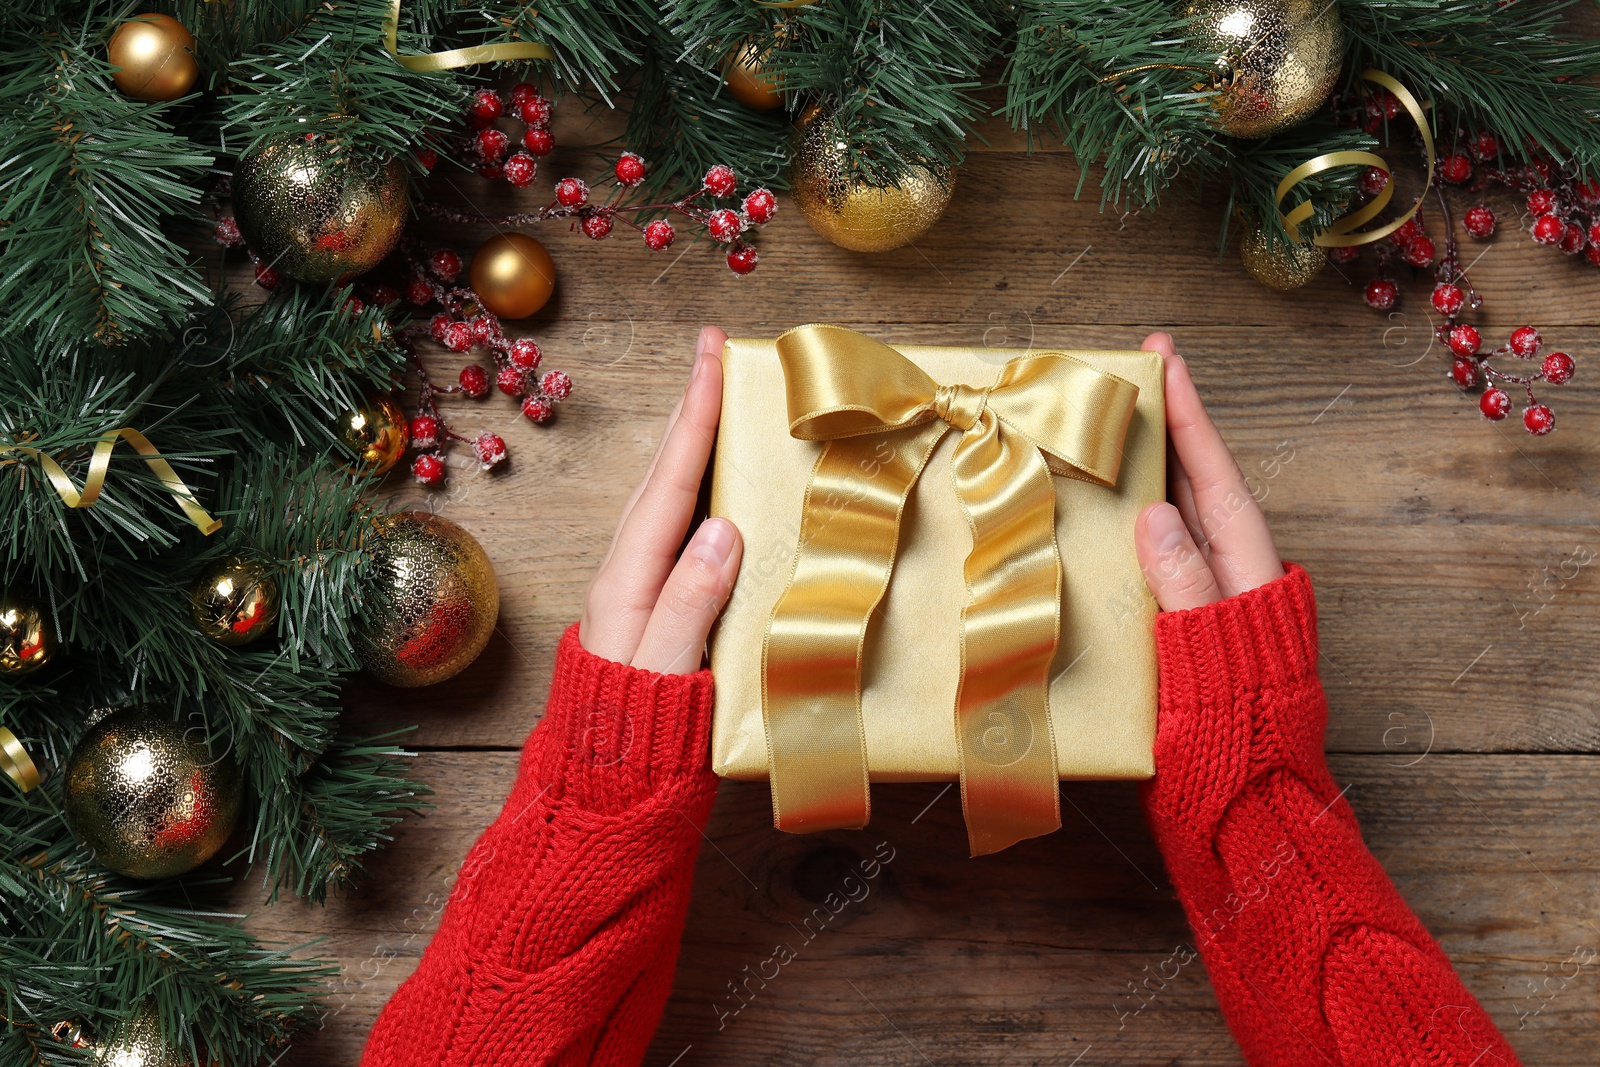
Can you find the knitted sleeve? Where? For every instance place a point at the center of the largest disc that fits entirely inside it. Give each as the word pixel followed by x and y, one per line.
pixel 1314 956
pixel 558 943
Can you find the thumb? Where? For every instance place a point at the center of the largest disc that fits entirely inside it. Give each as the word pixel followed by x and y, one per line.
pixel 1178 575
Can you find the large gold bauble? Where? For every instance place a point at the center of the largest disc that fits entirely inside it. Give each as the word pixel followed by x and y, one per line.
pixel 436 603
pixel 138 1043
pixel 749 82
pixel 1280 59
pixel 513 275
pixel 26 639
pixel 147 796
pixel 376 433
pixel 235 601
pixel 155 54
pixel 1283 267
pixel 315 214
pixel 850 212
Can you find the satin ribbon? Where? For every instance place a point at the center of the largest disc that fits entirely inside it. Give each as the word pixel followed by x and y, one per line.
pixel 457 57
pixel 881 417
pixel 1338 234
pixel 99 467
pixel 16 763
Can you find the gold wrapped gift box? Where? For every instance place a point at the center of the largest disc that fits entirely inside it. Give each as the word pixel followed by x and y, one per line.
pixel 1094 417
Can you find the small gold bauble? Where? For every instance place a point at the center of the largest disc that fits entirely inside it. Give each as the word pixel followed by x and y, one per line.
pixel 235 601
pixel 26 640
pixel 155 57
pixel 513 275
pixel 139 1043
pixel 1283 267
pixel 435 605
pixel 851 213
pixel 1280 59
pixel 749 82
pixel 314 213
pixel 376 433
pixel 147 796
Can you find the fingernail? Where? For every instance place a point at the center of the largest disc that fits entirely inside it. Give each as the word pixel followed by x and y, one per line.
pixel 713 542
pixel 1167 531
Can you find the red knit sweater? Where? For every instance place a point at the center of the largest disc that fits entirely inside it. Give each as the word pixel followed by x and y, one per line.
pixel 559 941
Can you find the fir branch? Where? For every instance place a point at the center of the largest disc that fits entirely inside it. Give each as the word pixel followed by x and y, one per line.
pixel 1258 166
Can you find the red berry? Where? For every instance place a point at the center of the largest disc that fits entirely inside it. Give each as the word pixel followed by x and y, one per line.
pixel 743 258
pixel 520 169
pixel 424 432
pixel 511 381
pixel 760 206
pixel 1381 293
pixel 483 328
pixel 227 232
pixel 1447 299
pixel 418 291
pixel 385 295
pixel 537 408
pixel 490 449
pixel 1419 252
pixel 1383 105
pixel 1465 372
pixel 1525 341
pixel 437 326
pixel 1548 230
pixel 427 157
pixel 1573 239
pixel 458 337
pixel 1464 340
pixel 445 264
pixel 1374 180
pixel 597 227
pixel 720 180
pixel 520 92
pixel 1594 234
pixel 723 225
pixel 1589 192
pixel 1494 403
pixel 1541 202
pixel 486 105
pixel 525 354
pixel 630 169
pixel 1409 231
pixel 474 381
pixel 428 469
pixel 493 171
pixel 492 145
pixel 572 192
pixel 1479 221
pixel 266 277
pixel 1485 146
pixel 1456 169
pixel 1592 253
pixel 1538 169
pixel 354 307
pixel 539 140
pixel 535 110
pixel 658 235
pixel 556 385
pixel 1557 368
pixel 1345 254
pixel 1538 419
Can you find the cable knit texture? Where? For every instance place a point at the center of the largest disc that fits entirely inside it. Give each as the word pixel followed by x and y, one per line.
pixel 1314 955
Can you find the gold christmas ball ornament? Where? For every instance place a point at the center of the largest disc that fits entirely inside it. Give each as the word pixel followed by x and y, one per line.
pixel 26 639
pixel 852 213
pixel 1280 59
pixel 147 796
pixel 316 214
pixel 749 82
pixel 1284 267
pixel 137 1043
pixel 435 604
pixel 513 275
pixel 376 433
pixel 154 55
pixel 235 601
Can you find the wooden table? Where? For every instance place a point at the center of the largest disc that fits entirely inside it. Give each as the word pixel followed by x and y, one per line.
pixel 1458 599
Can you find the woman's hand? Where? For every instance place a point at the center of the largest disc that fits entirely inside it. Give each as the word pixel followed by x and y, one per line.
pixel 1215 542
pixel 648 606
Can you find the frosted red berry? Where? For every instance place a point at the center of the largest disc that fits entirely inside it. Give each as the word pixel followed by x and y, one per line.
pixel 354 306
pixel 1448 299
pixel 1541 202
pixel 743 258
pixel 1465 372
pixel 512 381
pixel 538 140
pixel 458 337
pixel 520 92
pixel 556 385
pixel 723 225
pixel 492 145
pixel 385 295
pixel 266 277
pixel 524 354
pixel 418 291
pixel 427 157
pixel 1374 180
pixel 483 328
pixel 424 432
pixel 1557 368
pixel 437 325
pixel 630 169
pixel 490 448
pixel 1485 146
pixel 1456 169
pixel 1464 339
pixel 1538 419
pixel 1525 341
pixel 1407 232
pixel 445 264
pixel 572 192
pixel 1479 221
pixel 486 105
pixel 1342 255
pixel 535 110
pixel 720 180
pixel 760 206
pixel 227 232
pixel 520 169
pixel 1495 404
pixel 1548 230
pixel 474 381
pixel 1419 252
pixel 1381 293
pixel 1573 239
pixel 597 227
pixel 537 408
pixel 658 235
pixel 428 469
pixel 1588 192
pixel 1592 253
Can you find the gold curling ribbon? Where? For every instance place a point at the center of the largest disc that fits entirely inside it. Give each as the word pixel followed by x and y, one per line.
pixel 458 57
pixel 881 417
pixel 100 465
pixel 1339 235
pixel 16 763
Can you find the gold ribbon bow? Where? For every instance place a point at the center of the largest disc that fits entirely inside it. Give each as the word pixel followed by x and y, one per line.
pixel 100 466
pixel 457 57
pixel 16 763
pixel 881 417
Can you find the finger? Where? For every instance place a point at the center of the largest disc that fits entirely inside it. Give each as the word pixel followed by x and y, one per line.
pixel 1173 567
pixel 1178 487
pixel 1240 549
pixel 674 641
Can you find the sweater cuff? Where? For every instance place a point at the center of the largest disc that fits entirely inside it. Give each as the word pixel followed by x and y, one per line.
pixel 1258 641
pixel 614 735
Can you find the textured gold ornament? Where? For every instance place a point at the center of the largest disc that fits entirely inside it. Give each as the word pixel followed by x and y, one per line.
pixel 26 639
pixel 850 212
pixel 513 275
pixel 147 796
pixel 138 1043
pixel 1283 268
pixel 748 80
pixel 376 433
pixel 314 213
pixel 1280 59
pixel 437 603
pixel 235 601
pixel 155 54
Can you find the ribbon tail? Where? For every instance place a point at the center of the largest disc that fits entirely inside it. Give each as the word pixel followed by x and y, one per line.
pixel 16 763
pixel 457 57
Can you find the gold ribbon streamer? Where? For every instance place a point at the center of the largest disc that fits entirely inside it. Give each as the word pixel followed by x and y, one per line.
pixel 16 763
pixel 881 417
pixel 99 467
pixel 1338 234
pixel 458 57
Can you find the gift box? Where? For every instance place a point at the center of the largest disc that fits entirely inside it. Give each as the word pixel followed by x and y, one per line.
pixel 939 580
